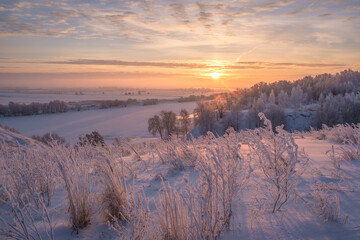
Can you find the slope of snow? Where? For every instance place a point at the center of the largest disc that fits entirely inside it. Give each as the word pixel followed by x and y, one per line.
pixel 296 220
pixel 252 218
pixel 14 139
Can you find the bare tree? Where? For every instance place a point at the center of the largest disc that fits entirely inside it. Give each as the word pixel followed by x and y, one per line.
pixel 155 126
pixel 185 121
pixel 168 119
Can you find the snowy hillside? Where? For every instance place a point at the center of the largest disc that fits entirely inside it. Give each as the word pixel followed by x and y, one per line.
pixel 248 185
pixel 11 138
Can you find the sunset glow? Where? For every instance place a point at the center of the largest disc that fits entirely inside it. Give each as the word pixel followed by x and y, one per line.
pixel 215 75
pixel 171 44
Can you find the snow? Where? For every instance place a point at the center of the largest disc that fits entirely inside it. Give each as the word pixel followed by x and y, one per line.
pixel 14 138
pixel 129 122
pixel 69 95
pixel 296 220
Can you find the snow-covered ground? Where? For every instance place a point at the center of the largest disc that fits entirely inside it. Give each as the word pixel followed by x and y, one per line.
pixel 252 217
pixel 129 122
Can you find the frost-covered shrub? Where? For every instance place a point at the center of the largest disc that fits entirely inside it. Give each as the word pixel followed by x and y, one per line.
pixel 179 153
pixel 138 225
pixel 113 199
pixel 123 149
pixel 334 158
pixel 347 134
pixel 350 152
pixel 205 211
pixel 126 147
pixel 25 216
pixel 75 171
pixel 173 215
pixel 278 158
pixel 326 204
pixel 223 173
pixel 28 169
pixel 50 139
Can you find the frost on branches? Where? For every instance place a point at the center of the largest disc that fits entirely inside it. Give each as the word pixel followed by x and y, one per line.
pixel 279 159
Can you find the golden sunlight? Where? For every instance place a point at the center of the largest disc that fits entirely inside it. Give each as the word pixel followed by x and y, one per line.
pixel 215 75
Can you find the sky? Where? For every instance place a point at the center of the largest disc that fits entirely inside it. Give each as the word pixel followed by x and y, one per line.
pixel 174 44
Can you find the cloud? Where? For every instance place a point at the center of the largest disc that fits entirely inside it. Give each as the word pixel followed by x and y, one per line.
pixel 299 11
pixel 206 7
pixel 159 23
pixel 273 64
pixel 354 8
pixel 326 15
pixel 129 63
pixel 349 19
pixel 179 12
pixel 273 6
pixel 237 65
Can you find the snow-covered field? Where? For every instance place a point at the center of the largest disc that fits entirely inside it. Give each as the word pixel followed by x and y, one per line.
pixel 69 95
pixel 171 179
pixel 129 122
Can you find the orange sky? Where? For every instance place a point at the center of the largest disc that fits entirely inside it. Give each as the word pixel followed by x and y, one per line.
pixel 174 44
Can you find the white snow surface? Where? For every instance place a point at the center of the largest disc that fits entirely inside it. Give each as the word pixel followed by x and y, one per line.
pixel 129 122
pixel 45 96
pixel 295 221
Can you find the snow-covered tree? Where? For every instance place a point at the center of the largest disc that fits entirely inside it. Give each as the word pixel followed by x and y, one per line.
pixel 296 96
pixel 271 100
pixel 204 116
pixel 283 99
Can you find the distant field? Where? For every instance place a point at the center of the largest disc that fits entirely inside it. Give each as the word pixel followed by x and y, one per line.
pixel 44 96
pixel 128 122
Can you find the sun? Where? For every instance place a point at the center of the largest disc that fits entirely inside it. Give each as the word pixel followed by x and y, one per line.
pixel 215 75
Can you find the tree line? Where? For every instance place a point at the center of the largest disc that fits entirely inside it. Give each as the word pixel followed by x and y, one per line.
pixel 336 100
pixel 22 109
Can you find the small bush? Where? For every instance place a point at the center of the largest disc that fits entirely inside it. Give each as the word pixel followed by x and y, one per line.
pixel 114 195
pixel 138 224
pixel 278 158
pixel 92 139
pixel 173 215
pixel 29 169
pixel 326 204
pixel 18 217
pixel 75 172
pixel 50 139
